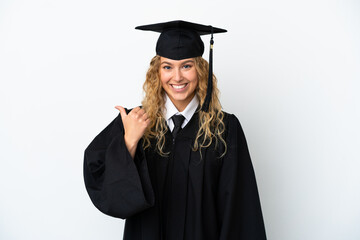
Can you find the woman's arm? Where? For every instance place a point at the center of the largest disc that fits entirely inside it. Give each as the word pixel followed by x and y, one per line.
pixel 238 199
pixel 117 183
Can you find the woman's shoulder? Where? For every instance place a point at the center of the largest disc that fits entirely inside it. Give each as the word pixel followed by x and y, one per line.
pixel 233 127
pixel 230 118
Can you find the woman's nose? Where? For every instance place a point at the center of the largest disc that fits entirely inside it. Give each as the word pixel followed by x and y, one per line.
pixel 178 75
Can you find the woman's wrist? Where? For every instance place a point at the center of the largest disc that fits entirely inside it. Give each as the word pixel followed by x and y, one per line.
pixel 131 145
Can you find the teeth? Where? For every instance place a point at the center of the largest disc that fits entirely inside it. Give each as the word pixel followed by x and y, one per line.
pixel 179 86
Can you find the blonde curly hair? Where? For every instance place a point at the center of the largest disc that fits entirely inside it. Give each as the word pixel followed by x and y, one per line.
pixel 211 124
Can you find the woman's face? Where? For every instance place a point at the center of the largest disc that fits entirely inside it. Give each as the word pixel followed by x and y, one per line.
pixel 179 80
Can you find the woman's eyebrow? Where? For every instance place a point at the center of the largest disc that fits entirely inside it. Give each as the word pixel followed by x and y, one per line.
pixel 188 61
pixel 166 63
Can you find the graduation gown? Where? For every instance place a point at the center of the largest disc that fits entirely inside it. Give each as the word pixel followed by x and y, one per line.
pixel 185 195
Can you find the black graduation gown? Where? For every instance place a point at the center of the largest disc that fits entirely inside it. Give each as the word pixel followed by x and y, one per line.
pixel 181 196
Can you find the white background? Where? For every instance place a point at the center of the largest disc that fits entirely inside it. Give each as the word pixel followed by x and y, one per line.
pixel 289 70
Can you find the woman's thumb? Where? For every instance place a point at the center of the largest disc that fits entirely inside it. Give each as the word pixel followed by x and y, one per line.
pixel 122 111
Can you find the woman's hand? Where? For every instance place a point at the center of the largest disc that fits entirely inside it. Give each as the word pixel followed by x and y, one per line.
pixel 135 124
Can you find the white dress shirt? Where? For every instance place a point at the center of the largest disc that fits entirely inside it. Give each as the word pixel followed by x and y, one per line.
pixel 170 110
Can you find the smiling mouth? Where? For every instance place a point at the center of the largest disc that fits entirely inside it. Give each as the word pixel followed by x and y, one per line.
pixel 179 86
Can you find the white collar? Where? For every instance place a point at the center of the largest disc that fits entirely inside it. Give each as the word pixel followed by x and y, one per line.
pixel 188 112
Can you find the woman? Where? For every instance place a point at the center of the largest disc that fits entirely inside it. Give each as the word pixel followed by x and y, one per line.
pixel 179 167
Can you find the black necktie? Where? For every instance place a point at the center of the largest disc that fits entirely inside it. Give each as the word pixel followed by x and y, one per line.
pixel 178 120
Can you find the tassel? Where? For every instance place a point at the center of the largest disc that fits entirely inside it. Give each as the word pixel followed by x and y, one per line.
pixel 205 106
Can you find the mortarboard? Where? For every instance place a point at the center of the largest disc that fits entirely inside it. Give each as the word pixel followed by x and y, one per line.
pixel 180 40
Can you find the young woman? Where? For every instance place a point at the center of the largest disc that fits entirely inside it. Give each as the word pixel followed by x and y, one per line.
pixel 178 167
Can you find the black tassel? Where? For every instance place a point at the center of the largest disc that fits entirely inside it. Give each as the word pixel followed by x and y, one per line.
pixel 205 106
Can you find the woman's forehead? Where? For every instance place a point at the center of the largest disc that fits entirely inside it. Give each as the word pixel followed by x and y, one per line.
pixel 172 61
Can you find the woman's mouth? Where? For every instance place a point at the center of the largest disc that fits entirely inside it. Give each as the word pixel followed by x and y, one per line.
pixel 178 87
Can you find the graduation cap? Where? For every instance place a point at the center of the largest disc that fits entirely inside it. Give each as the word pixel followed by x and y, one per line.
pixel 180 40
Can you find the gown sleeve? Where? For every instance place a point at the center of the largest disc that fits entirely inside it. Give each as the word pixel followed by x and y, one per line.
pixel 118 185
pixel 239 204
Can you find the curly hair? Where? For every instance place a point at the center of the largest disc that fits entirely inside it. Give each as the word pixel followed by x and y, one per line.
pixel 211 124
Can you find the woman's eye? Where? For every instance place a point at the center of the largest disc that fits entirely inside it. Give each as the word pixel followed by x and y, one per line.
pixel 187 66
pixel 167 67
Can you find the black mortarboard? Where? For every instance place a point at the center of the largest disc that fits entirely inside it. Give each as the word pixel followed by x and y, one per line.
pixel 180 40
